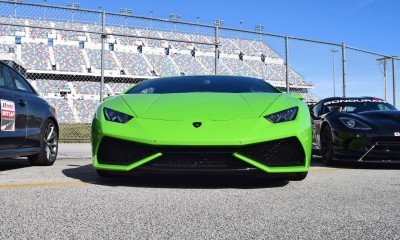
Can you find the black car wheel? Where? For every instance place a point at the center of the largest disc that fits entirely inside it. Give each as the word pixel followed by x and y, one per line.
pixel 48 146
pixel 327 146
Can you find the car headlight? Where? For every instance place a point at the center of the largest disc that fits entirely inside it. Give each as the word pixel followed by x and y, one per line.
pixel 115 116
pixel 283 116
pixel 353 123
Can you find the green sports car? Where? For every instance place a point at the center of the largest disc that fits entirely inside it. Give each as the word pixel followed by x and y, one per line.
pixel 203 124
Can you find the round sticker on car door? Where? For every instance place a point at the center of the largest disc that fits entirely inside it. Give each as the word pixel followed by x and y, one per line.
pixel 7 115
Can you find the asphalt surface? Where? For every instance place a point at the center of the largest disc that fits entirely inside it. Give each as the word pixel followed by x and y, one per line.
pixel 69 201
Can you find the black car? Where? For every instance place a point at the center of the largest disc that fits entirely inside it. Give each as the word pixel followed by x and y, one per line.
pixel 28 123
pixel 356 129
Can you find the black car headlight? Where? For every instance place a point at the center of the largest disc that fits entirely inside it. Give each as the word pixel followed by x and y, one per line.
pixel 283 116
pixel 115 116
pixel 353 123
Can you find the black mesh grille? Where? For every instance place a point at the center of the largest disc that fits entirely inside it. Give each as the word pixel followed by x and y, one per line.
pixel 282 152
pixel 116 151
pixel 197 158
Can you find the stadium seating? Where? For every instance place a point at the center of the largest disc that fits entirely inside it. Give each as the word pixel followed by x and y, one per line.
pixel 87 87
pixel 118 88
pixel 189 65
pixel 163 65
pixel 239 67
pixel 85 109
pixel 39 32
pixel 36 56
pixel 63 110
pixel 51 86
pixel 69 58
pixel 95 59
pixel 134 63
pixel 69 35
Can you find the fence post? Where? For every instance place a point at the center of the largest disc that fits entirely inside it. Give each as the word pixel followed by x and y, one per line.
pixel 394 79
pixel 287 64
pixel 103 37
pixel 344 68
pixel 216 49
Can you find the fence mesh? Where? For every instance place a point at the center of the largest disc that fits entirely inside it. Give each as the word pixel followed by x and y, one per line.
pixel 364 75
pixel 61 50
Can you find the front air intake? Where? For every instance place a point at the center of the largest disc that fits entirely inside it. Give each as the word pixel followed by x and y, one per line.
pixel 282 152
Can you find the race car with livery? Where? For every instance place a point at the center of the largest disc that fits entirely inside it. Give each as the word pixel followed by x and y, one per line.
pixel 29 126
pixel 203 124
pixel 364 129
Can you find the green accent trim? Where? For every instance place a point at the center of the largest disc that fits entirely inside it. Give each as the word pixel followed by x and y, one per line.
pixel 125 167
pixel 290 169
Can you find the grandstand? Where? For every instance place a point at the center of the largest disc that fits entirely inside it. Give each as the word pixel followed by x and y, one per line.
pixel 64 66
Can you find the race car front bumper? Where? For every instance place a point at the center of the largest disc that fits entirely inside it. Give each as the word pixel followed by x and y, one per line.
pixel 367 148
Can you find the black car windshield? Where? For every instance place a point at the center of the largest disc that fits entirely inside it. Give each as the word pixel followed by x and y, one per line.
pixel 220 84
pixel 356 105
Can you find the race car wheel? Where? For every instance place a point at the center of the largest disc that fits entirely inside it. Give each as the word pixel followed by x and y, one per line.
pixel 48 146
pixel 327 146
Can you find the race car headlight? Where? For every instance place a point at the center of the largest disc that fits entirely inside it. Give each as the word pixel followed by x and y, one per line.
pixel 354 123
pixel 115 116
pixel 283 116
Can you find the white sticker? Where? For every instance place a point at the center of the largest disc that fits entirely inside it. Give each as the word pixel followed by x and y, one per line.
pixel 7 115
pixel 397 134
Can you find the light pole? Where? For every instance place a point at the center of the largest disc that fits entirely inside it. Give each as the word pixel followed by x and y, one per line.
pixel 333 51
pixel 260 29
pixel 44 10
pixel 73 5
pixel 384 61
pixel 197 27
pixel 15 6
pixel 175 18
pixel 219 22
pixel 125 11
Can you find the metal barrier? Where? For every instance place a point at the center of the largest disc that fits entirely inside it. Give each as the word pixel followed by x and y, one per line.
pixel 75 57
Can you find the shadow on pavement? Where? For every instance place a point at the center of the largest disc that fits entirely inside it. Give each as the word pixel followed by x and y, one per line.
pixel 87 174
pixel 317 162
pixel 13 163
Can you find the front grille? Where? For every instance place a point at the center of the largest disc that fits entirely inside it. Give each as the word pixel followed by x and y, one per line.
pixel 282 152
pixel 121 152
pixel 197 158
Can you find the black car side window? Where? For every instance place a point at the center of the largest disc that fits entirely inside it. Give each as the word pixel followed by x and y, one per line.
pixel 21 83
pixel 6 77
pixel 317 110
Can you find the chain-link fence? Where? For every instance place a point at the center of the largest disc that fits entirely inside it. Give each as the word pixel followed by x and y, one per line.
pixel 75 57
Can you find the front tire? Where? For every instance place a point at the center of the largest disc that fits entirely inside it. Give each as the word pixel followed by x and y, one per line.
pixel 48 145
pixel 327 152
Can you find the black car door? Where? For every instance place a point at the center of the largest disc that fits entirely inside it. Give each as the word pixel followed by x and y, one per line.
pixel 36 111
pixel 14 109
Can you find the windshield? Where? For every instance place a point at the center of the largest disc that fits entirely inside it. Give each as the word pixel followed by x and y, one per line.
pixel 221 84
pixel 356 105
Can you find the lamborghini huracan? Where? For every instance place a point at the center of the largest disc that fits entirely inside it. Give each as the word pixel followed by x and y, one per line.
pixel 203 124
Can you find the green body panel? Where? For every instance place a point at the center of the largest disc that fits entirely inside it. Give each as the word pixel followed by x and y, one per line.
pixel 227 119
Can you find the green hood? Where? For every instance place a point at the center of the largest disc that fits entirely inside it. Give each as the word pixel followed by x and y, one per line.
pixel 212 106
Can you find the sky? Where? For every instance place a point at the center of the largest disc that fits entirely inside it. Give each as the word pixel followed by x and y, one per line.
pixel 367 24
